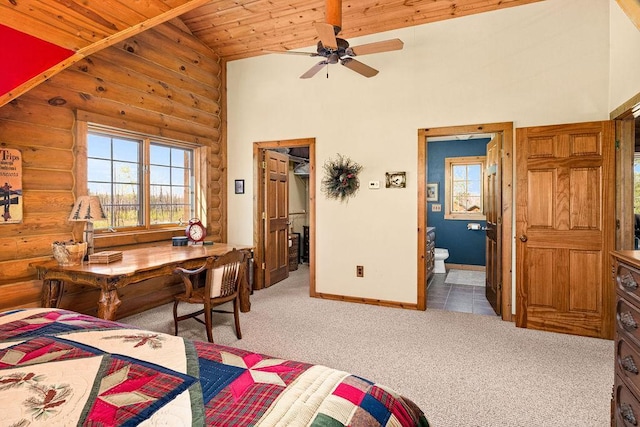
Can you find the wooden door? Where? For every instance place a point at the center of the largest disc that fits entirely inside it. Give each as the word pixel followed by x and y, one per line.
pixel 565 228
pixel 492 206
pixel 276 217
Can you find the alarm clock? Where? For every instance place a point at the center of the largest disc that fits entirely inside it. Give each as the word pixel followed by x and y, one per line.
pixel 195 231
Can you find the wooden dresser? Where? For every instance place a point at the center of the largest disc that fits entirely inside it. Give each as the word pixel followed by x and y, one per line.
pixel 626 390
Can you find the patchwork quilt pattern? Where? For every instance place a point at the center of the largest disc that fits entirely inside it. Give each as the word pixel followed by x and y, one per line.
pixel 63 368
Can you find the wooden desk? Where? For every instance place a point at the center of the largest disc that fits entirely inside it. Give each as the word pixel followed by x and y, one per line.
pixel 136 265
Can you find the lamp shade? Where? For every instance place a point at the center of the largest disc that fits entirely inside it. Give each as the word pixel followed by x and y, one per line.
pixel 87 208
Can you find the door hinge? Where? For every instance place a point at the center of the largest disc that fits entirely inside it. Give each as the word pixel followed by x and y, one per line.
pixel 617 144
pixel 264 165
pixel 499 286
pixel 264 266
pixel 264 215
pixel 617 224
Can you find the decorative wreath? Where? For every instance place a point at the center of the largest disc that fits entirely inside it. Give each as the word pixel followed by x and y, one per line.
pixel 341 178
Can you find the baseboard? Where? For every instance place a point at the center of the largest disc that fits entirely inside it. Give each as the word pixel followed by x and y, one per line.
pixel 466 267
pixel 394 304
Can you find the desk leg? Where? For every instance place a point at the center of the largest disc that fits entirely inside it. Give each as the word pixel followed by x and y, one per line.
pixel 108 304
pixel 51 293
pixel 245 304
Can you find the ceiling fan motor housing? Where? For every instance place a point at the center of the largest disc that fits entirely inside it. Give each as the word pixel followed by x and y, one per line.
pixel 343 45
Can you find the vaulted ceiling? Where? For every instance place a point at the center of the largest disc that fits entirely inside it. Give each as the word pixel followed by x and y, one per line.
pixel 233 29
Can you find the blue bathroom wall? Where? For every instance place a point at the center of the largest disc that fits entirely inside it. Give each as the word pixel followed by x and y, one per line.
pixel 465 246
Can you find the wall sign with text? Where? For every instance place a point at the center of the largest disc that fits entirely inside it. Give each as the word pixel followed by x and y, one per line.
pixel 10 186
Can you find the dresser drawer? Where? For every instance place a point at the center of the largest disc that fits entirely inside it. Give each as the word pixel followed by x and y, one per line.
pixel 628 363
pixel 627 408
pixel 628 282
pixel 628 321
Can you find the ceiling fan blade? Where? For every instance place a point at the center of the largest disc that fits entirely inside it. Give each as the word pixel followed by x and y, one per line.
pixel 359 67
pixel 314 70
pixel 327 35
pixel 377 47
pixel 291 52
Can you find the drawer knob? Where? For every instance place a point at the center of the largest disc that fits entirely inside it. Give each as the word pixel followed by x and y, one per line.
pixel 628 321
pixel 627 413
pixel 629 282
pixel 629 365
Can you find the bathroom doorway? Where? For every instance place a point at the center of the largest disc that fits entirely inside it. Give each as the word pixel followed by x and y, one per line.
pixel 497 233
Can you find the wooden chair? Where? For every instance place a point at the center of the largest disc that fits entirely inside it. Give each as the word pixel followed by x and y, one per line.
pixel 222 279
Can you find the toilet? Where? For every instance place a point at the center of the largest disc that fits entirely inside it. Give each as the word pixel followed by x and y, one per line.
pixel 439 256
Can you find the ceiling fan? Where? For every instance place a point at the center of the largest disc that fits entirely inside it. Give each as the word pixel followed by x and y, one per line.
pixel 336 50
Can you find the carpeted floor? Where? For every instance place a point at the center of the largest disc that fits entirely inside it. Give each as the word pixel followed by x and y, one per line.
pixel 461 369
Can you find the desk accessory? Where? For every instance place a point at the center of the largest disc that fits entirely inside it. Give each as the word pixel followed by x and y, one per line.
pixel 69 253
pixel 87 209
pixel 195 231
pixel 105 257
pixel 179 241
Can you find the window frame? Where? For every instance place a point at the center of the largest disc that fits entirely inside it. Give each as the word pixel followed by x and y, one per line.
pixel 152 135
pixel 450 162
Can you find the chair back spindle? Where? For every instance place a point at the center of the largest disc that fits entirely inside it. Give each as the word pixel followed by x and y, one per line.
pixel 224 276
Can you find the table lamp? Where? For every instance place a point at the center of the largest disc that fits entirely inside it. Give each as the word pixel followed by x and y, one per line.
pixel 88 209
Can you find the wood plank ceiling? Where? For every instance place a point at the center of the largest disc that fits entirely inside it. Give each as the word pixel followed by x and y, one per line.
pixel 233 29
pixel 239 29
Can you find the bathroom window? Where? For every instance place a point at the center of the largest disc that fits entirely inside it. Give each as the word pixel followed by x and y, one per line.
pixel 464 188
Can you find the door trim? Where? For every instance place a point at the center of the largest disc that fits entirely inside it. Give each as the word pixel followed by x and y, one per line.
pixel 258 202
pixel 625 135
pixel 506 128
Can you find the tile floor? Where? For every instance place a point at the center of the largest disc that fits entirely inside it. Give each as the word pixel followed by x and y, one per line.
pixel 452 297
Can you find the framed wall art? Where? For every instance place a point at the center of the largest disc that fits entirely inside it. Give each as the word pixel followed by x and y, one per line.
pixel 396 179
pixel 432 192
pixel 239 186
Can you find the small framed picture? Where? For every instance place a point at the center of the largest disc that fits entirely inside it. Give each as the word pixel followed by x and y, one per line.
pixel 432 192
pixel 396 179
pixel 239 186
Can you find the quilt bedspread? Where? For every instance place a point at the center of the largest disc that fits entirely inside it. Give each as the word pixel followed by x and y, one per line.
pixel 60 368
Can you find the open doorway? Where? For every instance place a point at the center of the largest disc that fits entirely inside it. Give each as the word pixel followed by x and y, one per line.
pixel 499 225
pixel 301 153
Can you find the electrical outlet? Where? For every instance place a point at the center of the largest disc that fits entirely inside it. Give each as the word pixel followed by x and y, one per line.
pixel 436 207
pixel 359 271
pixel 374 184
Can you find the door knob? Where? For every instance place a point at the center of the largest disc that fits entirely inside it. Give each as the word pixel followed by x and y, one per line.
pixel 523 238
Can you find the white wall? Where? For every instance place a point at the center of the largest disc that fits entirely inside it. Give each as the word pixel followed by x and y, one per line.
pixel 625 65
pixel 543 63
pixel 298 200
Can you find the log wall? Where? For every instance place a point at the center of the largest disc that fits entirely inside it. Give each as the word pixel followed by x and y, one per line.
pixel 164 78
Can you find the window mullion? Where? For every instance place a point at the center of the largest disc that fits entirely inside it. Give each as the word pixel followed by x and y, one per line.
pixel 146 180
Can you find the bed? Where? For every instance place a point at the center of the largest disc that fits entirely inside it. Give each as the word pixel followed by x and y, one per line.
pixel 60 368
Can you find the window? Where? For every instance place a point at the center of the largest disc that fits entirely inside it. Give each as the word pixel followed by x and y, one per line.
pixel 142 181
pixel 464 187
